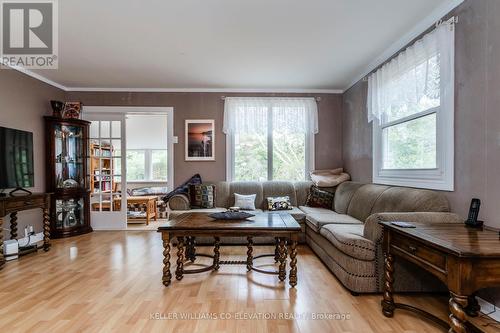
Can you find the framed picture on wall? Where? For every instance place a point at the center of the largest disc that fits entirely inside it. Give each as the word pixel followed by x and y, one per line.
pixel 200 138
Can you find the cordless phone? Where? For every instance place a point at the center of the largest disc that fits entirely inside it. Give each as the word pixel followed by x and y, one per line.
pixel 474 213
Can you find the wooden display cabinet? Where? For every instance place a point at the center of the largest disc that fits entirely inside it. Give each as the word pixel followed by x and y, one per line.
pixel 66 176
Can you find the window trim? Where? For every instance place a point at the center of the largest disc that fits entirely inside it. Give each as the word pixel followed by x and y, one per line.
pixel 309 158
pixel 148 166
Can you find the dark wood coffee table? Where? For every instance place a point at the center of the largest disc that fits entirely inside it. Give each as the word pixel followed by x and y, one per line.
pixel 188 226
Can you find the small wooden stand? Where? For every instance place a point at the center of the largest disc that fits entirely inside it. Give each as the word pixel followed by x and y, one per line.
pixel 14 204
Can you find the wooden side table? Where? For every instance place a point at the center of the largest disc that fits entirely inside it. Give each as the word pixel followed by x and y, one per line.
pixel 463 258
pixel 14 204
pixel 149 201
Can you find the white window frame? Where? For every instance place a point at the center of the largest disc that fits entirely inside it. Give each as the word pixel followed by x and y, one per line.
pixel 148 166
pixel 439 178
pixel 230 154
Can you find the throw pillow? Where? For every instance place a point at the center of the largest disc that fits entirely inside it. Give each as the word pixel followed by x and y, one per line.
pixel 202 196
pixel 184 188
pixel 245 202
pixel 319 198
pixel 279 203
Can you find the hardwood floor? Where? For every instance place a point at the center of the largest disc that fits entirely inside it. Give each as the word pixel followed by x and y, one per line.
pixel 111 281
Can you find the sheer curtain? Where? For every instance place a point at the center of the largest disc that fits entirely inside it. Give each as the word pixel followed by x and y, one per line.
pixel 247 115
pixel 415 80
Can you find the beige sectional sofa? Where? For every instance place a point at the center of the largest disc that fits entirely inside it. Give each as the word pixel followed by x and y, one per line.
pixel 346 237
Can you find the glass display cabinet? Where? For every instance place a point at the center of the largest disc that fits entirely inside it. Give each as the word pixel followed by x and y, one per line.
pixel 66 175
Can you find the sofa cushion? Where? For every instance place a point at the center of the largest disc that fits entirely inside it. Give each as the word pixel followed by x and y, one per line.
pixel 356 275
pixel 310 210
pixel 319 220
pixel 404 199
pixel 222 195
pixel 364 199
pixel 302 191
pixel 343 196
pixel 349 239
pixel 279 189
pixel 296 213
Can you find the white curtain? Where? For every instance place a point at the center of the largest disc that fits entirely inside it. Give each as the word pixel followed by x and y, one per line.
pixel 244 115
pixel 415 80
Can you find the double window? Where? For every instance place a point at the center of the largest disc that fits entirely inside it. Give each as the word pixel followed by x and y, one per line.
pixel 410 101
pixel 270 138
pixel 147 165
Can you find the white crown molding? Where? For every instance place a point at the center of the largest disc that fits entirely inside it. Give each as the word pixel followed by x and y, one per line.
pixel 418 29
pixel 207 90
pixel 171 90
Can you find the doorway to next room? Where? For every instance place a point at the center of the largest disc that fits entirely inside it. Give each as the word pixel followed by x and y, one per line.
pixel 131 166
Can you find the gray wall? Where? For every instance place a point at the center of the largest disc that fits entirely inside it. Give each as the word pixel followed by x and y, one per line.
pixel 23 103
pixel 477 117
pixel 210 106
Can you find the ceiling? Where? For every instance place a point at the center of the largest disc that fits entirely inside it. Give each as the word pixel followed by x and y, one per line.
pixel 230 44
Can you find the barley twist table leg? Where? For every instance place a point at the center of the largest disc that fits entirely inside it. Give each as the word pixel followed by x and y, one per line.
pixel 458 317
pixel 46 230
pixel 388 301
pixel 216 253
pixel 293 264
pixel 249 253
pixel 2 258
pixel 167 276
pixel 282 267
pixel 13 225
pixel 277 250
pixel 193 249
pixel 179 272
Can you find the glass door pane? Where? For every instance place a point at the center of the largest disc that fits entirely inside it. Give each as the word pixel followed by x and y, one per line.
pixel 105 172
pixel 69 168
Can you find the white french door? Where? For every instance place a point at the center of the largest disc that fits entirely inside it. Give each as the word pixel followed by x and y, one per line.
pixel 107 147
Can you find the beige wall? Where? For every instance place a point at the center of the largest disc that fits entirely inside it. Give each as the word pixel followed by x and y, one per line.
pixel 477 117
pixel 210 106
pixel 23 103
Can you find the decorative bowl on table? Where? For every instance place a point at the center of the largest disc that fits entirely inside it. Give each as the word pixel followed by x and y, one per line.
pixel 231 215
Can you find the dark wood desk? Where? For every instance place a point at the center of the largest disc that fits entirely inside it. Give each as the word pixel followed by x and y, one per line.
pixel 465 259
pixel 188 226
pixel 14 204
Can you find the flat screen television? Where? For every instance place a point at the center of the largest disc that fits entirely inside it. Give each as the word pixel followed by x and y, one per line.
pixel 16 159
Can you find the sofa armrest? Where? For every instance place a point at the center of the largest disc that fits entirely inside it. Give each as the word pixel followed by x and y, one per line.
pixel 179 202
pixel 373 230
